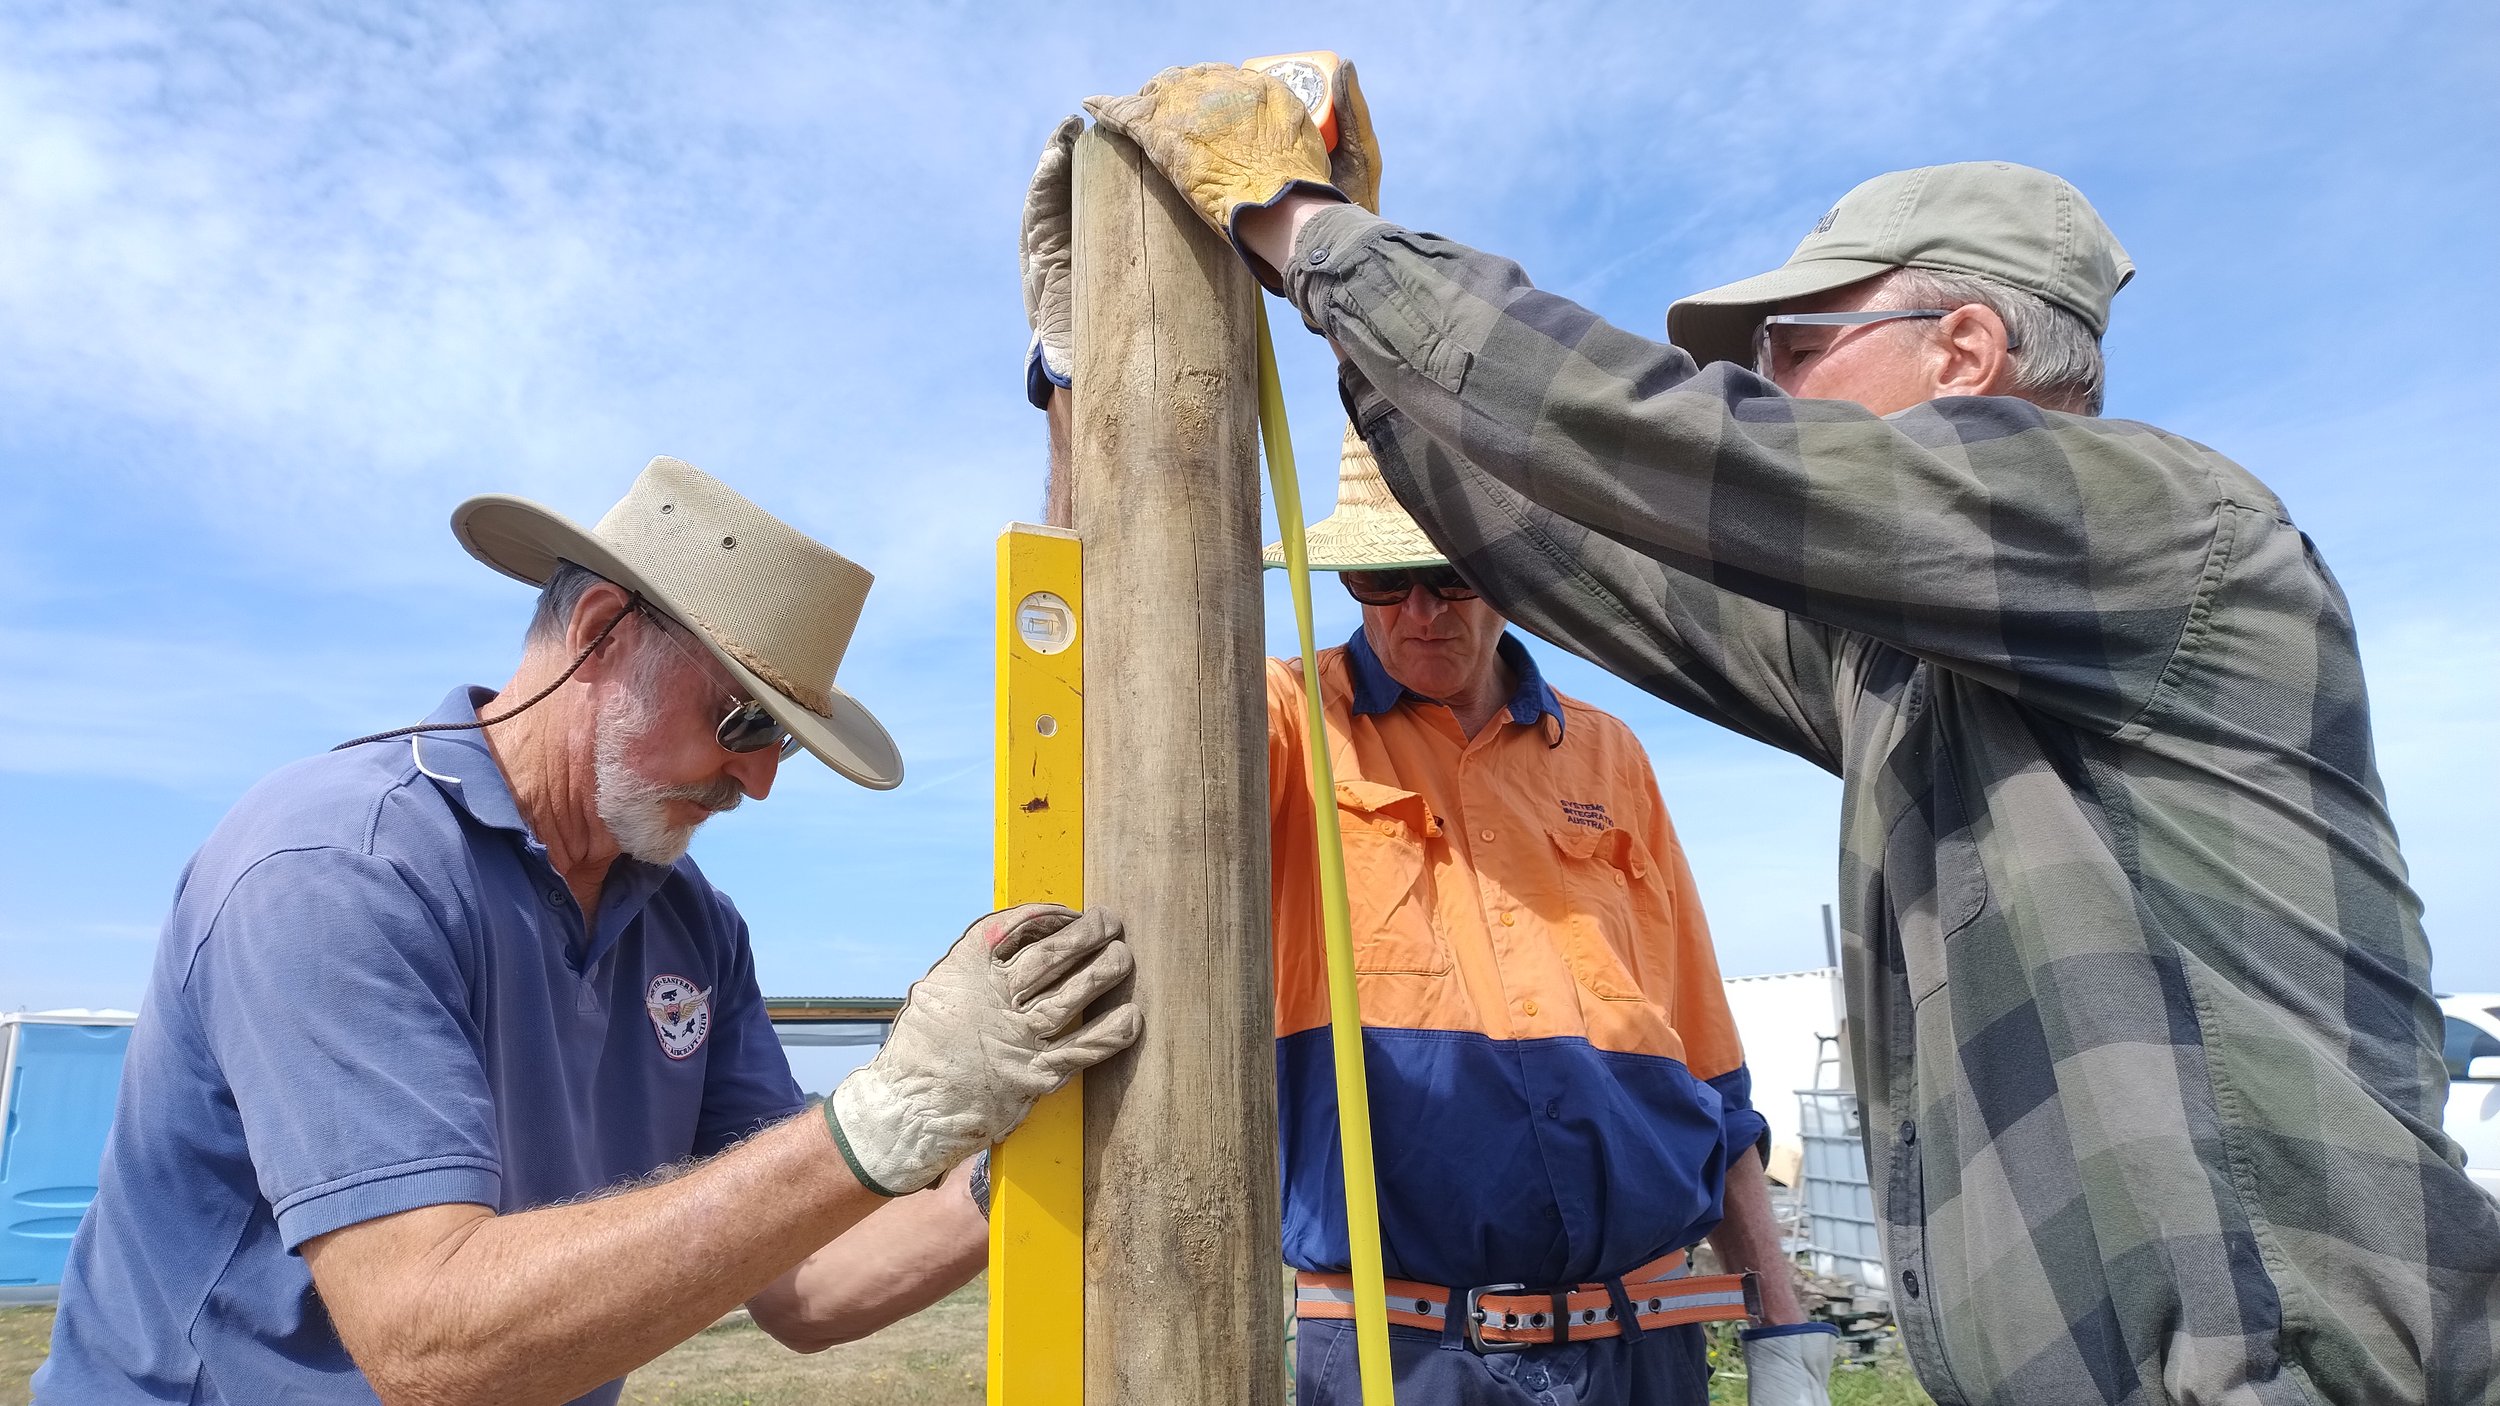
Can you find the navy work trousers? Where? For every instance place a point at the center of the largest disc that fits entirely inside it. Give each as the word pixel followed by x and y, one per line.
pixel 1667 1367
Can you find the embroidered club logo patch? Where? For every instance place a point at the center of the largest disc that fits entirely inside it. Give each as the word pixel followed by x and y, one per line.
pixel 680 1014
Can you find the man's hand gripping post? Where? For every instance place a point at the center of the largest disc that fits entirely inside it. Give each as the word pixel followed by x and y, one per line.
pixel 996 1024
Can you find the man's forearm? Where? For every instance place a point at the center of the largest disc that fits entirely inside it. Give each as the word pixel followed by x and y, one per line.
pixel 1270 232
pixel 544 1305
pixel 1058 490
pixel 906 1256
pixel 1821 509
pixel 1748 1237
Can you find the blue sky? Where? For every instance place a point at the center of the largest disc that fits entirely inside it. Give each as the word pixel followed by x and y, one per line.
pixel 280 288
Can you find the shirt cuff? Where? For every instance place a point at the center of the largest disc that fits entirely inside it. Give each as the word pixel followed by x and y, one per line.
pixel 1327 242
pixel 1743 1126
pixel 1039 378
pixel 1746 1128
pixel 387 1191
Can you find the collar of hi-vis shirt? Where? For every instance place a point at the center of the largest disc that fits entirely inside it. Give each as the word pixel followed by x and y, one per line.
pixel 1375 692
pixel 464 769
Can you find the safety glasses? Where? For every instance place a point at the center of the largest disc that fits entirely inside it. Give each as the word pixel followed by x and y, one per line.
pixel 1392 587
pixel 1770 344
pixel 746 727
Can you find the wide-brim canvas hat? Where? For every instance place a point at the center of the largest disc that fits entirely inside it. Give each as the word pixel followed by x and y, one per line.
pixel 1996 219
pixel 1368 531
pixel 773 605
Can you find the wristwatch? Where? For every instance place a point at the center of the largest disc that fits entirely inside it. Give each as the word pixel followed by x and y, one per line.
pixel 979 1184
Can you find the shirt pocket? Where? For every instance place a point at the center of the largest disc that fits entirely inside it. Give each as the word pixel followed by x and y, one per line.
pixel 1596 930
pixel 1389 894
pixel 1932 882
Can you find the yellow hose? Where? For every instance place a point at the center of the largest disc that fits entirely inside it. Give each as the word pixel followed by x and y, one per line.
pixel 1345 1018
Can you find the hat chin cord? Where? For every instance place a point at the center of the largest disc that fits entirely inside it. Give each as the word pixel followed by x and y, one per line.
pixel 631 606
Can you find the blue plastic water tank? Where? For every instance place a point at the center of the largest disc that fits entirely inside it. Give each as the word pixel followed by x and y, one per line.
pixel 62 1080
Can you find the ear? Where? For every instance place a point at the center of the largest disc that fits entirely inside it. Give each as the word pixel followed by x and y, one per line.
pixel 597 609
pixel 1971 356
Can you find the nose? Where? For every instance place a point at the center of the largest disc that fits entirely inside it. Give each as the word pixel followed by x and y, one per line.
pixel 1422 607
pixel 754 771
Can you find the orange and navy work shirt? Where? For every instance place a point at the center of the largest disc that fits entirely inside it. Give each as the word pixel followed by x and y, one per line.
pixel 1556 1084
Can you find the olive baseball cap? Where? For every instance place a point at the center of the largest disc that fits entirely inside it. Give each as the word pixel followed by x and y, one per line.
pixel 2007 222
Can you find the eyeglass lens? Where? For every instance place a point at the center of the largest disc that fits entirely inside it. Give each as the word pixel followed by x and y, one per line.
pixel 748 728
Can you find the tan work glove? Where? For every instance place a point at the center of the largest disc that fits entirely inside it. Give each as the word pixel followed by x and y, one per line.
pixel 1227 138
pixel 1042 253
pixel 990 1029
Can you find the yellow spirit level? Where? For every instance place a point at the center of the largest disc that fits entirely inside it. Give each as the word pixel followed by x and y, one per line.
pixel 1037 1176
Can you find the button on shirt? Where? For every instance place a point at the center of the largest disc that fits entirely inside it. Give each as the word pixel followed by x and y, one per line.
pixel 1556 1083
pixel 374 994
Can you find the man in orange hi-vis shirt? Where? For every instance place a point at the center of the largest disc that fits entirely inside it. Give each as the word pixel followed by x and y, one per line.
pixel 1559 1102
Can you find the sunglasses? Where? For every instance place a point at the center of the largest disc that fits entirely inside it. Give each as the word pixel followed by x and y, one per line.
pixel 747 726
pixel 1392 587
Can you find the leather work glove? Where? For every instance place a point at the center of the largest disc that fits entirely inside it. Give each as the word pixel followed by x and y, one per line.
pixel 991 1028
pixel 1042 252
pixel 1789 1364
pixel 1227 138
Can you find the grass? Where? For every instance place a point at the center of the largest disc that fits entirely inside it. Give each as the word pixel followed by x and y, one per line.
pixel 935 1359
pixel 24 1335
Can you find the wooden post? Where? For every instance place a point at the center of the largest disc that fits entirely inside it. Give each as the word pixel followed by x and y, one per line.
pixel 1183 1298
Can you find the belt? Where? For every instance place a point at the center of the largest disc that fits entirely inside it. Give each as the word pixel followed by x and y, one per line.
pixel 1511 1318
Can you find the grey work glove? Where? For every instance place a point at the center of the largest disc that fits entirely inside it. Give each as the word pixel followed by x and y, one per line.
pixel 991 1028
pixel 1789 1364
pixel 1042 253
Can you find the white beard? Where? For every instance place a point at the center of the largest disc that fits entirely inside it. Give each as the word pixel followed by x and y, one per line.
pixel 633 807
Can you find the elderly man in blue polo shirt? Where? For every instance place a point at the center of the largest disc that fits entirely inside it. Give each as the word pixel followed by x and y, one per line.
pixel 454 1081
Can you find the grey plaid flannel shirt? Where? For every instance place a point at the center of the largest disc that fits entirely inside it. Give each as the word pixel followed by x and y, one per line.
pixel 2138 992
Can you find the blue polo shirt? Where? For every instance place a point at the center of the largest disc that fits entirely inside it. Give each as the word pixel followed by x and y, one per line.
pixel 374 993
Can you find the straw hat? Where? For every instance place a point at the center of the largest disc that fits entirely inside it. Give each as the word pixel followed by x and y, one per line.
pixel 1368 531
pixel 773 605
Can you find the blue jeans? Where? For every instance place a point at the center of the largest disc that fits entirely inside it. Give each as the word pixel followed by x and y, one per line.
pixel 1667 1367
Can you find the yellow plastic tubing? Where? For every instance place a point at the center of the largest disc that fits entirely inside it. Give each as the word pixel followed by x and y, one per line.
pixel 1345 1019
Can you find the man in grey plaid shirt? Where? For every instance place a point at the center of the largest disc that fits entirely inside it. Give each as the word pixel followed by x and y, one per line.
pixel 2139 995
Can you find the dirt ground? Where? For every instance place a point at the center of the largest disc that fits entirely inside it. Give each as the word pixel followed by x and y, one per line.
pixel 933 1360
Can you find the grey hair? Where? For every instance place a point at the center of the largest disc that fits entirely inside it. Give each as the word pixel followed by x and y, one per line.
pixel 2057 359
pixel 640 670
pixel 557 600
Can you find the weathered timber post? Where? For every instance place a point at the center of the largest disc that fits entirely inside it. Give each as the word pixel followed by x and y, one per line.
pixel 1183 1301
